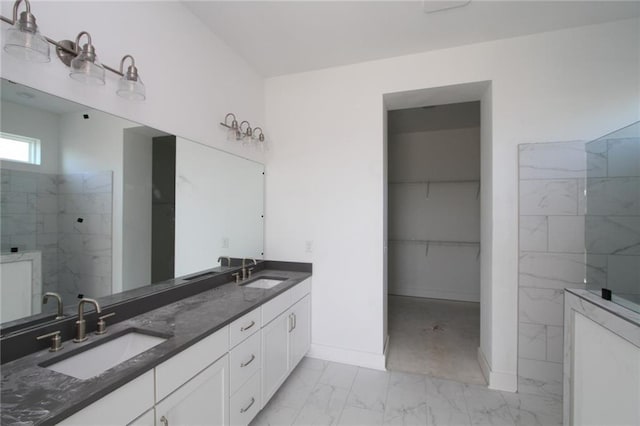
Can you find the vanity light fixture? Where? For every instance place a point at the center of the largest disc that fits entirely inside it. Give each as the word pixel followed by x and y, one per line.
pixel 242 131
pixel 130 86
pixel 234 129
pixel 247 133
pixel 23 40
pixel 259 136
pixel 85 67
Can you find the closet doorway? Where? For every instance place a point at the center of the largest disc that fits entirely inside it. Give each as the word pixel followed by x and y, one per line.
pixel 434 241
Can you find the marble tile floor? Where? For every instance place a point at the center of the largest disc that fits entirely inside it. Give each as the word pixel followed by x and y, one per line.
pixel 326 393
pixel 439 338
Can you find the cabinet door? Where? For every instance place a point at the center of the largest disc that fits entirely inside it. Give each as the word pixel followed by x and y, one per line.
pixel 275 355
pixel 300 336
pixel 203 400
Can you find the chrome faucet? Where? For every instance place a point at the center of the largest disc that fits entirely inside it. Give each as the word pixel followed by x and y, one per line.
pixel 45 298
pixel 81 324
pixel 225 257
pixel 246 273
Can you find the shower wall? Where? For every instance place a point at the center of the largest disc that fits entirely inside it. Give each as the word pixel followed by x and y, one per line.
pixel 68 218
pixel 552 255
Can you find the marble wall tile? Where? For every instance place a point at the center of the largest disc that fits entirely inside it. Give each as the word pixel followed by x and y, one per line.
pixel 533 233
pixel 540 378
pixel 566 234
pixel 47 203
pixel 624 157
pixel 549 197
pixel 613 235
pixel 551 270
pixel 98 182
pixel 596 270
pixel 71 183
pixel 613 196
pixel 623 274
pixel 541 306
pixel 560 160
pixel 23 182
pixel 555 339
pixel 47 184
pixel 532 341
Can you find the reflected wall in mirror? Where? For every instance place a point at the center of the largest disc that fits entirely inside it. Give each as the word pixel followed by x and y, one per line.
pixel 98 204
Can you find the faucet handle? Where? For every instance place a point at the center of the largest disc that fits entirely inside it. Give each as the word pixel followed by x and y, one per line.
pixel 102 324
pixel 56 340
pixel 237 277
pixel 249 271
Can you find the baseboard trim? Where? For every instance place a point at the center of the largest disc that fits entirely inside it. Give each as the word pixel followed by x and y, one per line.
pixel 496 379
pixel 346 356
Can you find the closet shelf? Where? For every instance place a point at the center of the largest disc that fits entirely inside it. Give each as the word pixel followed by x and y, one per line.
pixel 437 242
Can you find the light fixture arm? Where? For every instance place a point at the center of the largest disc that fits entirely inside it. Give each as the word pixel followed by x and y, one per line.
pixel 79 36
pixel 132 70
pixel 16 5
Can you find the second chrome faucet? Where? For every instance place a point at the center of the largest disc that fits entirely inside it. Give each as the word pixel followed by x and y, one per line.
pixel 81 324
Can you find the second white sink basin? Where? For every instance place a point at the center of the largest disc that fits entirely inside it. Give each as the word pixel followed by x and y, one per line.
pixel 264 283
pixel 102 357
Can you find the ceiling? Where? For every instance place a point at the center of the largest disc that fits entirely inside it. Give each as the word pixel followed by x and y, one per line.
pixel 283 37
pixel 23 95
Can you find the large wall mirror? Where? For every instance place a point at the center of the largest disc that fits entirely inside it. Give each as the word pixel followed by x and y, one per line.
pixel 93 205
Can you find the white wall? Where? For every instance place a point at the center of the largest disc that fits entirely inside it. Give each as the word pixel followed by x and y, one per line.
pixel 35 123
pixel 137 179
pixel 193 79
pixel 219 207
pixel 325 173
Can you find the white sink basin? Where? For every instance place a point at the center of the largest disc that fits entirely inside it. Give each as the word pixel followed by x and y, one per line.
pixel 264 283
pixel 100 358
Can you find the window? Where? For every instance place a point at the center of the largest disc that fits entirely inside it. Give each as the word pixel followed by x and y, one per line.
pixel 19 148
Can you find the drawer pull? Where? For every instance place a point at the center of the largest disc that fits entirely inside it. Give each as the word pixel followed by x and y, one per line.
pixel 244 364
pixel 248 327
pixel 164 421
pixel 245 409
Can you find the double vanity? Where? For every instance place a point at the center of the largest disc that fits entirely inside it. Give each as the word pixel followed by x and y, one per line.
pixel 215 357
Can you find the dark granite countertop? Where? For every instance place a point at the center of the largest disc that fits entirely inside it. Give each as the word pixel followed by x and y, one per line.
pixel 34 395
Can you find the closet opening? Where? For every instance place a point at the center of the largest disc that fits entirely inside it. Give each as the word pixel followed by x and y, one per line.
pixel 433 237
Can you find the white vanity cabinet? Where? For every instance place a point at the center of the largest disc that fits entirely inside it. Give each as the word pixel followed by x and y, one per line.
pixel 120 407
pixel 224 379
pixel 203 400
pixel 285 339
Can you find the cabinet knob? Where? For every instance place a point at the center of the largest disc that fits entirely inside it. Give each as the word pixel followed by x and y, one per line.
pixel 164 421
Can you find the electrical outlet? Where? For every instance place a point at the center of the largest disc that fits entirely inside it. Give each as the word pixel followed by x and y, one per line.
pixel 308 246
pixel 225 242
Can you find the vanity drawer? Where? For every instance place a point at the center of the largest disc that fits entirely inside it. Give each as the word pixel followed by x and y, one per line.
pixel 245 360
pixel 172 373
pixel 245 326
pixel 246 403
pixel 275 307
pixel 120 406
pixel 300 290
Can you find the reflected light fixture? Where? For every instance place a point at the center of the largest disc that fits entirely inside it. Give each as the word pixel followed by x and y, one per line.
pixel 85 67
pixel 130 85
pixel 23 40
